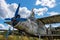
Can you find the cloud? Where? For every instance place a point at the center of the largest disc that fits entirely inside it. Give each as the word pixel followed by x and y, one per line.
pixel 48 3
pixel 24 12
pixel 40 11
pixel 8 10
pixel 12 7
pixel 53 13
pixel 2 26
pixel 4 11
pixel 38 2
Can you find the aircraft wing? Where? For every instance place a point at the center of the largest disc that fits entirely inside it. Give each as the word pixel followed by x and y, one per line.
pixel 50 20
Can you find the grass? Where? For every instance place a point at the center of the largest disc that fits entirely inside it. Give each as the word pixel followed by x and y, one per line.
pixel 14 37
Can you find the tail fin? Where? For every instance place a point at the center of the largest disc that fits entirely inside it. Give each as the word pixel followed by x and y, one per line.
pixel 32 14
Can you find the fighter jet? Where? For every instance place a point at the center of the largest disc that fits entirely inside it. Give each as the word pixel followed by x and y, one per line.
pixel 31 25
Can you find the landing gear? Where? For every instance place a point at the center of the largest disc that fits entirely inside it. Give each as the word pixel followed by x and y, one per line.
pixel 21 32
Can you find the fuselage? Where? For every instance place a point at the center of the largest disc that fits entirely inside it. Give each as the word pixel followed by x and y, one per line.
pixel 31 27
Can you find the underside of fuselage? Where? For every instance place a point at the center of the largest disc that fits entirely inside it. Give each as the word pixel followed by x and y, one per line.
pixel 30 27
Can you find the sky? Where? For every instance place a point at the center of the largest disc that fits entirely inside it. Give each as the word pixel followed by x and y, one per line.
pixel 42 8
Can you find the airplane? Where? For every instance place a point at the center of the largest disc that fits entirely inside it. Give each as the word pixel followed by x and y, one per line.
pixel 31 25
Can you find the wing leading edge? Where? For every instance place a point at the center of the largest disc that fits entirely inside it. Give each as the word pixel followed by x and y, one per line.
pixel 50 20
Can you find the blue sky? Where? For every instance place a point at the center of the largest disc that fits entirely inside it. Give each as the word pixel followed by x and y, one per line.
pixel 24 3
pixel 46 8
pixel 31 4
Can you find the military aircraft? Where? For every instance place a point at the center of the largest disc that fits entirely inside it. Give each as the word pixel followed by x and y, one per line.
pixel 31 25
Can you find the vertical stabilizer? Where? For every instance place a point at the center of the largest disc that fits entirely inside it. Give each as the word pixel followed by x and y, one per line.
pixel 32 15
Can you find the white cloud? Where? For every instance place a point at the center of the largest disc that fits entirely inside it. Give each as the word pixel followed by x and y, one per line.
pixel 24 12
pixel 38 2
pixel 40 11
pixel 48 3
pixel 13 7
pixel 4 9
pixel 53 25
pixel 53 13
pixel 2 26
pixel 8 10
pixel 46 26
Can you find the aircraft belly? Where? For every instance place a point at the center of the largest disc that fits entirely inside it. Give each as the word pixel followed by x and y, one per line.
pixel 30 27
